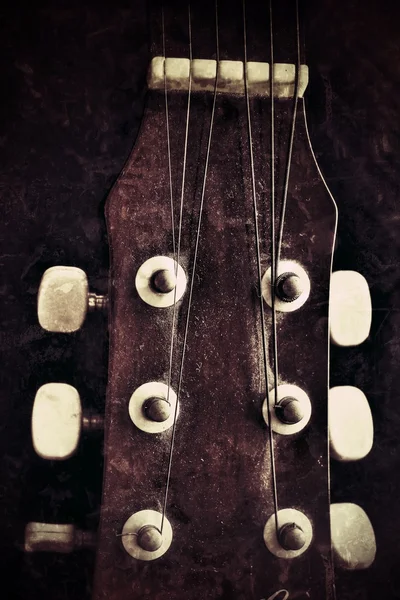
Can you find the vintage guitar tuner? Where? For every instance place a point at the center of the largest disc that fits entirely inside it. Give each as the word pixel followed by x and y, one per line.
pixel 56 537
pixel 57 421
pixel 350 308
pixel 64 299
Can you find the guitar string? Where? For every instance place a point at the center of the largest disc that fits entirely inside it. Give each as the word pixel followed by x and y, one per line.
pixel 276 252
pixel 292 132
pixel 272 210
pixel 259 271
pixel 168 141
pixel 203 189
pixel 177 258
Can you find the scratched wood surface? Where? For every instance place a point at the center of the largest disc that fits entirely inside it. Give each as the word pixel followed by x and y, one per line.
pixel 74 75
pixel 221 489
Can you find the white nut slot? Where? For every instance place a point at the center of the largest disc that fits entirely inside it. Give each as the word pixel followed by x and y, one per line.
pixel 63 299
pixel 131 534
pixel 295 269
pixel 287 516
pixel 350 308
pixel 352 535
pixel 287 391
pixel 139 399
pixel 145 278
pixel 49 537
pixel 351 428
pixel 56 421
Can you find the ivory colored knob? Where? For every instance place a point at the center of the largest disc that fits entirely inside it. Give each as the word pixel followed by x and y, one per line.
pixel 64 299
pixel 352 536
pixel 350 308
pixel 351 429
pixel 54 537
pixel 56 421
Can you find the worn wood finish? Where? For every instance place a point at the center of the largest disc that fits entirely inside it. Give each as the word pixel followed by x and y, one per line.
pixel 221 489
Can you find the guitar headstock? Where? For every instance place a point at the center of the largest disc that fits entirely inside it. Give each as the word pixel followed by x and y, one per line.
pixel 221 232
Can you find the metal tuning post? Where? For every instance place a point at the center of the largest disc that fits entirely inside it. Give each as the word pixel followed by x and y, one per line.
pixel 293 535
pixel 57 421
pixel 64 299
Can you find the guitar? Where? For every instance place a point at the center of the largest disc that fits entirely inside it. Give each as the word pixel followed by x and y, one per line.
pixel 221 231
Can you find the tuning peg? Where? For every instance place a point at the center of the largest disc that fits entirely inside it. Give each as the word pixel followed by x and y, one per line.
pixel 351 428
pixel 57 421
pixel 350 308
pixel 53 537
pixel 352 537
pixel 64 299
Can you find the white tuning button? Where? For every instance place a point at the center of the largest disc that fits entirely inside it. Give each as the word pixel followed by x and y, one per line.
pixel 352 536
pixel 350 308
pixel 57 421
pixel 351 429
pixel 53 537
pixel 64 299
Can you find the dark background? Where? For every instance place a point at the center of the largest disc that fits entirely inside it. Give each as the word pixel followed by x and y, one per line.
pixel 71 100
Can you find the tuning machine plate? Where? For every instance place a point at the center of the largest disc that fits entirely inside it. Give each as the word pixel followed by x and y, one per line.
pixel 145 281
pixel 136 524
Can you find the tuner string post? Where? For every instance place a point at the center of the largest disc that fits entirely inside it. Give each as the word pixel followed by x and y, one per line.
pixel 258 256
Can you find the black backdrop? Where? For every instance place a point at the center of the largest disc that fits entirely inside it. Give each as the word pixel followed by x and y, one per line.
pixel 72 95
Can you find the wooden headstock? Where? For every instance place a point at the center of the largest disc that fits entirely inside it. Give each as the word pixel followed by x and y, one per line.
pixel 221 492
pixel 216 429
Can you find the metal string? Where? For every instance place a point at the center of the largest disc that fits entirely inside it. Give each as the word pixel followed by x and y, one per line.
pixel 176 252
pixel 258 253
pixel 194 259
pixel 272 205
pixel 276 250
pixel 168 137
pixel 291 139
